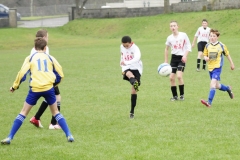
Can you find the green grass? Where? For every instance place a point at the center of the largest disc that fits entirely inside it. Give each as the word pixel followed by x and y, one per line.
pixel 96 101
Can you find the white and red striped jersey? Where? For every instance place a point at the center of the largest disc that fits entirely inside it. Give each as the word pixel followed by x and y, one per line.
pixel 203 34
pixel 179 44
pixel 34 50
pixel 131 58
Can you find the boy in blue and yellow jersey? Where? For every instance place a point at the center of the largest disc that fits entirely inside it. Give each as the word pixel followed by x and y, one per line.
pixel 45 73
pixel 213 54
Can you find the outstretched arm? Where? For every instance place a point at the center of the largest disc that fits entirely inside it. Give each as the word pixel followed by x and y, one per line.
pixel 231 62
pixel 166 54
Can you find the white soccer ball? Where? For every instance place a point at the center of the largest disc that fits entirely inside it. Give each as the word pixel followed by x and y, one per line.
pixel 164 69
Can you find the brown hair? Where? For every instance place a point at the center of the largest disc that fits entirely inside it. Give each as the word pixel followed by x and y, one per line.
pixel 173 21
pixel 204 20
pixel 41 33
pixel 215 31
pixel 40 43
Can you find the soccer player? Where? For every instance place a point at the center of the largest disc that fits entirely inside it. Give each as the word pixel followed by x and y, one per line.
pixel 180 47
pixel 45 72
pixel 132 68
pixel 35 120
pixel 213 54
pixel 202 36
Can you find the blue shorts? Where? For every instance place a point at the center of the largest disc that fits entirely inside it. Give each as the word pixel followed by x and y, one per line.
pixel 215 73
pixel 33 97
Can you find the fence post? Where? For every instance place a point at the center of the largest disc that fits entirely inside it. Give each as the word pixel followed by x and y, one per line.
pixel 13 17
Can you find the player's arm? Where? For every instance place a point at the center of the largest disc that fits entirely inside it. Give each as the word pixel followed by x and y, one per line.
pixel 136 58
pixel 195 38
pixel 166 54
pixel 189 49
pixel 121 59
pixel 194 41
pixel 226 53
pixel 22 74
pixel 57 70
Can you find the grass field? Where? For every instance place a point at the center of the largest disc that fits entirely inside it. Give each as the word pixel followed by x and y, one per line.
pixel 96 101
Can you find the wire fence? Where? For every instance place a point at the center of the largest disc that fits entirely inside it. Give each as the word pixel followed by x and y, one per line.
pixel 33 11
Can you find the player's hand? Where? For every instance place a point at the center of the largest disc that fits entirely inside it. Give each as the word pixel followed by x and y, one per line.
pixel 206 59
pixel 12 89
pixel 122 63
pixel 232 66
pixel 184 59
pixel 192 45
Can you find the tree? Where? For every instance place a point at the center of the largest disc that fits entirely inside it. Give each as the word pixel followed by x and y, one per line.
pixel 79 10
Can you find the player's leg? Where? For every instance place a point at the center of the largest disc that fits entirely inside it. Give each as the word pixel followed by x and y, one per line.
pixel 202 49
pixel 180 70
pixel 199 57
pixel 224 88
pixel 172 77
pixel 30 101
pixel 215 77
pixel 35 120
pixel 51 100
pixel 128 75
pixel 134 93
pixel 53 124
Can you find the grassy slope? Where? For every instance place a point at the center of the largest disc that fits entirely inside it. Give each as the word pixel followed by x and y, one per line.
pixel 154 27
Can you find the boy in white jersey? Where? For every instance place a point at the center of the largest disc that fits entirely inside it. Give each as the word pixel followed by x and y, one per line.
pixel 180 47
pixel 202 36
pixel 35 120
pixel 131 68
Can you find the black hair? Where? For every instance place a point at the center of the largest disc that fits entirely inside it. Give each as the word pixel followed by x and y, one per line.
pixel 204 20
pixel 126 39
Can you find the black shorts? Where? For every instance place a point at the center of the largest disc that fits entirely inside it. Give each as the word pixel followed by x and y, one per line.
pixel 136 74
pixel 201 45
pixel 56 89
pixel 177 64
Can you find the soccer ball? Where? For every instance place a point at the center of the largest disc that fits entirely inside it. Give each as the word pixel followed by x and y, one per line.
pixel 164 69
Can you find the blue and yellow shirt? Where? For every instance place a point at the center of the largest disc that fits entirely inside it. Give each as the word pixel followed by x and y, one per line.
pixel 45 72
pixel 215 53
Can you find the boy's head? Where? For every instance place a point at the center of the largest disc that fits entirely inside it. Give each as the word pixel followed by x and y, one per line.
pixel 40 44
pixel 126 41
pixel 204 23
pixel 214 34
pixel 43 34
pixel 173 26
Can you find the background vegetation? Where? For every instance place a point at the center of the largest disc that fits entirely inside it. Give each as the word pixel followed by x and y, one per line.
pixel 96 101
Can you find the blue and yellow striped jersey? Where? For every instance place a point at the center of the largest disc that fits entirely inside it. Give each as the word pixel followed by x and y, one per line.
pixel 45 72
pixel 215 54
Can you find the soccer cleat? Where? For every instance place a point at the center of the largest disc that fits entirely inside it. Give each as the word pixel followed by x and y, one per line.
pixel 230 92
pixel 175 98
pixel 6 141
pixel 205 103
pixel 131 116
pixel 51 126
pixel 36 122
pixel 70 138
pixel 135 85
pixel 181 98
pixel 198 70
